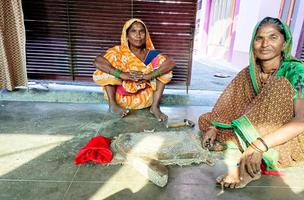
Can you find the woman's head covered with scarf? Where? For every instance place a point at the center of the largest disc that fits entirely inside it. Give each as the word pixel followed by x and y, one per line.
pixel 124 38
pixel 282 28
pixel 286 51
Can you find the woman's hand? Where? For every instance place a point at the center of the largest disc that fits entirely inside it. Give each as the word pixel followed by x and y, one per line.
pixel 250 162
pixel 140 76
pixel 148 77
pixel 136 75
pixel 209 137
pixel 132 75
pixel 125 76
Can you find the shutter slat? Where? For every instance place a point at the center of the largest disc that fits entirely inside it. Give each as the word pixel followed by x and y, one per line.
pixel 64 37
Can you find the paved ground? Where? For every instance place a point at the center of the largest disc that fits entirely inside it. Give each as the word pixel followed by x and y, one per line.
pixel 212 75
pixel 42 129
pixel 39 141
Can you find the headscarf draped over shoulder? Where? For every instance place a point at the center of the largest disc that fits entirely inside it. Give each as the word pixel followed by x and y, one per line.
pixel 287 59
pixel 123 38
pixel 121 57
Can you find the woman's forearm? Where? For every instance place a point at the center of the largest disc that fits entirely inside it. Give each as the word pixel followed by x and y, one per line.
pixel 288 131
pixel 285 133
pixel 102 64
pixel 167 65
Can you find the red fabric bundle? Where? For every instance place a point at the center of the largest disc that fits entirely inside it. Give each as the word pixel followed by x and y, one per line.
pixel 96 150
pixel 265 171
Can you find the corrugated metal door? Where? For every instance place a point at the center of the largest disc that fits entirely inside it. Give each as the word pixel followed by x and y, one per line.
pixel 64 36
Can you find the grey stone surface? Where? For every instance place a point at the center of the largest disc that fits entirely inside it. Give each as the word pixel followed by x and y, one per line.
pixel 39 141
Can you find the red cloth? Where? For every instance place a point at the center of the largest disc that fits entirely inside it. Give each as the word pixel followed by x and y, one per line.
pixel 269 172
pixel 96 150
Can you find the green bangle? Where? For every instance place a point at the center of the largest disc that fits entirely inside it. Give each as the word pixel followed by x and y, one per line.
pixel 156 73
pixel 117 73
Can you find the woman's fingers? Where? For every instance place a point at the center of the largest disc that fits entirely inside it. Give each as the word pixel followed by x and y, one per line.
pixel 204 142
pixel 242 169
pixel 208 142
pixel 257 163
pixel 209 138
pixel 250 170
pixel 252 163
pixel 257 168
pixel 136 75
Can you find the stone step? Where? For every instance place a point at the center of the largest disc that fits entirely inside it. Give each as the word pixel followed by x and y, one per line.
pixel 53 92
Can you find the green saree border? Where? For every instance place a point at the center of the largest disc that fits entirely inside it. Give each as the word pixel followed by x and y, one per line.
pixel 221 125
pixel 246 133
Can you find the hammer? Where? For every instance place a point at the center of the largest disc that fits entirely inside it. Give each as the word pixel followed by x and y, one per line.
pixel 185 122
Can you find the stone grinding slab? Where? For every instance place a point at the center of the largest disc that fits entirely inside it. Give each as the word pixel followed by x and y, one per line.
pixel 168 147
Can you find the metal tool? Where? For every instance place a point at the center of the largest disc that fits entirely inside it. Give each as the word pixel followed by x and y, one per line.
pixel 185 122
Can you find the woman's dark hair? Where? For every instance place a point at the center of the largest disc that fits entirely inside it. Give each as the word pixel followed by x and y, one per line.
pixel 274 21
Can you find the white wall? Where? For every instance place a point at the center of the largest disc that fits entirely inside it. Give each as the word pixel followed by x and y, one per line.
pixel 249 14
pixel 246 19
pixel 200 34
pixel 269 8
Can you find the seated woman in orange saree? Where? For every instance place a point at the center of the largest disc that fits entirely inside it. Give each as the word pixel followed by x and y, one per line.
pixel 262 109
pixel 134 74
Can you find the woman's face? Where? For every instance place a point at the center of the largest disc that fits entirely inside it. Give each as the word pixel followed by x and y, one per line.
pixel 137 35
pixel 268 43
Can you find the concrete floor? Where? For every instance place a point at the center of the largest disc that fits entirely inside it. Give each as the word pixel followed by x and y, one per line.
pixel 40 139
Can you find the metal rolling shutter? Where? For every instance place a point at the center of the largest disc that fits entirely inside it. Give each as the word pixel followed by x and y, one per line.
pixel 64 36
pixel 47 42
pixel 171 24
pixel 95 26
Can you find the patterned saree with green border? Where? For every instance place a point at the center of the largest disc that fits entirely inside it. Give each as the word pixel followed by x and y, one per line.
pixel 248 109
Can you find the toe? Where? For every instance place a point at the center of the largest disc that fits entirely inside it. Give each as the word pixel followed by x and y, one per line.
pixel 124 113
pixel 232 185
pixel 163 117
pixel 220 179
pixel 239 185
pixel 227 185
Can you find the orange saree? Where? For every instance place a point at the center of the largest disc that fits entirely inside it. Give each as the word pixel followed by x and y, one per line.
pixel 130 94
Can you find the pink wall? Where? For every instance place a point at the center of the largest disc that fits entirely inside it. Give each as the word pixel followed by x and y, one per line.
pixel 249 13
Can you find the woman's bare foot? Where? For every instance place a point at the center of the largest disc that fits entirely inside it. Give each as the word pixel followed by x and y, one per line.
pixel 160 116
pixel 232 179
pixel 122 112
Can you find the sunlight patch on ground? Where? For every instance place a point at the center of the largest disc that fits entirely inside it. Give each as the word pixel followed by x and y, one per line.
pixel 128 177
pixel 18 149
pixel 294 179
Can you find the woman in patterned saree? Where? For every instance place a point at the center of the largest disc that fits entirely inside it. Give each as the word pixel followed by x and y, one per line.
pixel 134 74
pixel 262 109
